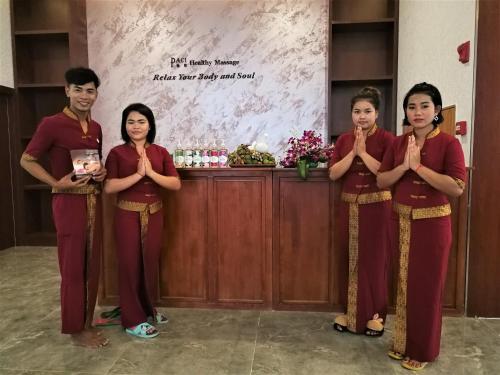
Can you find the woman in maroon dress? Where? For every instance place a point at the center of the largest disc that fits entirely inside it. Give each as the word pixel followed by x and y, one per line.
pixel 364 216
pixel 137 170
pixel 424 166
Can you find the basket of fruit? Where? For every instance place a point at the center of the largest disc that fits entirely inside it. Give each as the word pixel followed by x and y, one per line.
pixel 246 156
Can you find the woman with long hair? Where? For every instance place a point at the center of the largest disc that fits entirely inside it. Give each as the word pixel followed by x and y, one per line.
pixel 424 167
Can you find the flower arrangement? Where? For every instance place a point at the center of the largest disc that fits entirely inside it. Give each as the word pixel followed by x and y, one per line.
pixel 309 148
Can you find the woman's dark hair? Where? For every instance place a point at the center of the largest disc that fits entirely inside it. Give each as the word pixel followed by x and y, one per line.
pixel 143 110
pixel 426 89
pixel 81 76
pixel 370 94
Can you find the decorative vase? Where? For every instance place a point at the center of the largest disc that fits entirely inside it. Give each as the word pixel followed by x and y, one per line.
pixel 303 168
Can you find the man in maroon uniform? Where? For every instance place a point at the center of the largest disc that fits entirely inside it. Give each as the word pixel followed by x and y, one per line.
pixel 75 207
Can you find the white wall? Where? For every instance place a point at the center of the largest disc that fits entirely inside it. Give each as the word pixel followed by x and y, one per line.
pixel 429 33
pixel 6 68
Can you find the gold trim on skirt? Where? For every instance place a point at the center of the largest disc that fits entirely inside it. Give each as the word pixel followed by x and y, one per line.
pixel 352 296
pixel 406 214
pixel 91 211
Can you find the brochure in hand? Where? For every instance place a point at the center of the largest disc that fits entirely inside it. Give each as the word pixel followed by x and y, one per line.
pixel 85 162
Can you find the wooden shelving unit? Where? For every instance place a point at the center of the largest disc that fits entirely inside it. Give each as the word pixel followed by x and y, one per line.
pixel 45 46
pixel 362 51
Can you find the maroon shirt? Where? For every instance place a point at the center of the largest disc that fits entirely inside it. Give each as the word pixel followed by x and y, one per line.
pixel 122 162
pixel 57 135
pixel 441 152
pixel 359 179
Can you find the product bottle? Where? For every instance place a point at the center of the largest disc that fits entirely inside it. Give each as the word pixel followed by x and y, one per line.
pixel 188 157
pixel 179 156
pixel 223 153
pixel 197 155
pixel 205 156
pixel 214 155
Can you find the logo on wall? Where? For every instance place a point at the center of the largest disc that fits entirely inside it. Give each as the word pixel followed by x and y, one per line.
pixel 184 62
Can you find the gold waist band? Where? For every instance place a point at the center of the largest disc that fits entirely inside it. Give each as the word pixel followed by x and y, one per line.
pixel 86 189
pixel 422 213
pixel 152 208
pixel 378 196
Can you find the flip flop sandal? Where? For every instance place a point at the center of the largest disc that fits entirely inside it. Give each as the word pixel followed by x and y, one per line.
pixel 112 314
pixel 160 318
pixel 395 355
pixel 340 323
pixel 407 364
pixel 103 322
pixel 143 331
pixel 340 327
pixel 373 332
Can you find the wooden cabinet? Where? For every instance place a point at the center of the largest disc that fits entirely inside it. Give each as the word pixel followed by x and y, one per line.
pixel 362 51
pixel 49 36
pixel 217 241
pixel 303 256
pixel 261 239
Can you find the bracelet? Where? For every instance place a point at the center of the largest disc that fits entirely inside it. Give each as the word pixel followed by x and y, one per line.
pixel 418 166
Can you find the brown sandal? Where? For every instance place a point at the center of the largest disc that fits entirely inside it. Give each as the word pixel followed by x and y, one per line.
pixel 411 364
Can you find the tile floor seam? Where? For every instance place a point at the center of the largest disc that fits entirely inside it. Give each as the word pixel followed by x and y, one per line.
pixel 255 342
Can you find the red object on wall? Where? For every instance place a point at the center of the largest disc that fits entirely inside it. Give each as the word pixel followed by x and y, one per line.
pixel 464 52
pixel 461 128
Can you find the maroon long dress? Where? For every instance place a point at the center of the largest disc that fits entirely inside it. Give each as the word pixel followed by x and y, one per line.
pixel 138 230
pixel 422 227
pixel 77 215
pixel 363 230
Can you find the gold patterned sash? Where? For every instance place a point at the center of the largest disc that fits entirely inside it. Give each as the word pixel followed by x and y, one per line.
pixel 406 214
pixel 367 198
pixel 144 209
pixel 354 201
pixel 85 189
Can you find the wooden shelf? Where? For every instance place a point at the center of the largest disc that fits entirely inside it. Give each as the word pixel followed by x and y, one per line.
pixel 44 48
pixel 41 32
pixel 40 15
pixel 41 85
pixel 384 24
pixel 38 101
pixel 40 239
pixel 36 187
pixel 362 52
pixel 356 80
pixel 41 58
pixel 362 10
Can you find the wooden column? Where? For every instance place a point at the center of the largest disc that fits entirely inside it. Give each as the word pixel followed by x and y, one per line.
pixel 6 163
pixel 484 244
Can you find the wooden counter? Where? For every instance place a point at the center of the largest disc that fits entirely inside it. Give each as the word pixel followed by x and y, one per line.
pixel 257 238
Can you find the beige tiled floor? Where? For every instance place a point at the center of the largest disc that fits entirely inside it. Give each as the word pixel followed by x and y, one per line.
pixel 197 341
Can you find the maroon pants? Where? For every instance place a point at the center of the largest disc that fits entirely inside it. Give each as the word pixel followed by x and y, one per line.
pixel 373 259
pixel 428 262
pixel 79 285
pixel 137 267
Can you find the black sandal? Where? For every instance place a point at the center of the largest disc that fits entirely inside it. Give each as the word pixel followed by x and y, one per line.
pixel 373 333
pixel 340 327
